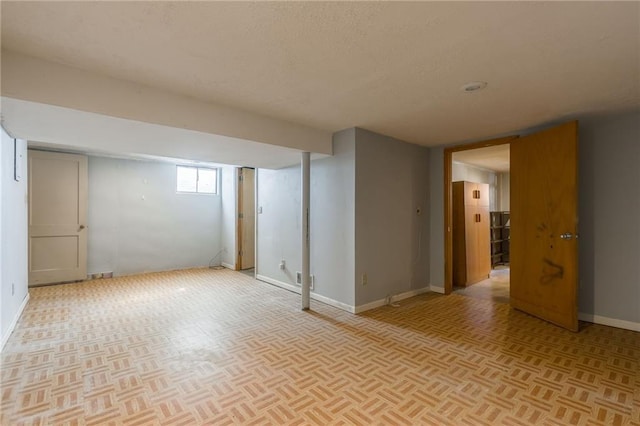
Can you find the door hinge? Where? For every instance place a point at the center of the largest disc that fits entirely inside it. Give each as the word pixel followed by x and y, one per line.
pixel 240 215
pixel 240 177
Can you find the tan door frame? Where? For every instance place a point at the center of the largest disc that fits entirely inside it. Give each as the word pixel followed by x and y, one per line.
pixel 241 176
pixel 448 213
pixel 238 254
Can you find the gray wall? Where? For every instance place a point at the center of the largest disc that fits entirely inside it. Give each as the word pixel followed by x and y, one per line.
pixel 609 193
pixel 436 218
pixel 138 223
pixel 229 210
pixel 331 222
pixel 363 219
pixel 610 217
pixel 13 236
pixel 392 240
pixel 504 191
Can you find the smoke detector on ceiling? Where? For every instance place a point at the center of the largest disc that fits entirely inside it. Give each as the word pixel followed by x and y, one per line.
pixel 473 86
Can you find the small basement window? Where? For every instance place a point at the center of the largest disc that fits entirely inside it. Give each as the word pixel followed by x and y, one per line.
pixel 198 180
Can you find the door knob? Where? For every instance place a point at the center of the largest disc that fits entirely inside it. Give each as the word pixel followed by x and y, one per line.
pixel 82 227
pixel 566 236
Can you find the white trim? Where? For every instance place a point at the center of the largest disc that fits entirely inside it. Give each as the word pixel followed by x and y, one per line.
pixel 436 289
pixel 395 297
pixel 12 326
pixel 611 322
pixel 228 266
pixel 315 296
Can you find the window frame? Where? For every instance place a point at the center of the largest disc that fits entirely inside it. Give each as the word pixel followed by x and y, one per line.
pixel 197 191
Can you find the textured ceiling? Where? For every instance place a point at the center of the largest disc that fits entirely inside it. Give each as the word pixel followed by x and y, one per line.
pixel 394 68
pixel 494 157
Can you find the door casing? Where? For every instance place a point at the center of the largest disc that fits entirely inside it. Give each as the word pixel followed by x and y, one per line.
pixel 245 221
pixel 448 207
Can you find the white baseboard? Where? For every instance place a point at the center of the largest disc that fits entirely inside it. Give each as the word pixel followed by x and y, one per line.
pixel 228 266
pixel 314 296
pixel 395 298
pixel 12 326
pixel 611 322
pixel 436 289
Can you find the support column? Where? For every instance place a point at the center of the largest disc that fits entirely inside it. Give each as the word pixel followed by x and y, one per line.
pixel 306 253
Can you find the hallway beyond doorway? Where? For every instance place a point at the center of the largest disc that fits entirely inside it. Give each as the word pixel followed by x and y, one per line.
pixel 495 288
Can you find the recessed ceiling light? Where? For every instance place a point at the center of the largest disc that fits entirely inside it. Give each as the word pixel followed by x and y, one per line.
pixel 473 86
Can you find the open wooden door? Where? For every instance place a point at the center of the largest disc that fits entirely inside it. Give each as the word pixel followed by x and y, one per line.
pixel 246 218
pixel 544 225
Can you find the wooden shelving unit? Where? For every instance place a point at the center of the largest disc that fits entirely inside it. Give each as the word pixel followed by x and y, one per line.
pixel 500 234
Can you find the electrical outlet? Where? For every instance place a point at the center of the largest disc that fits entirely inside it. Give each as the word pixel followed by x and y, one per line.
pixel 364 279
pixel 312 280
pixel 283 265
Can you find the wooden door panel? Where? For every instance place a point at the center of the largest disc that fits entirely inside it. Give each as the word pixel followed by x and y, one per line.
pixel 56 253
pixel 459 269
pixel 484 242
pixel 471 245
pixel 248 218
pixel 483 194
pixel 51 201
pixel 57 217
pixel 544 267
pixel 470 193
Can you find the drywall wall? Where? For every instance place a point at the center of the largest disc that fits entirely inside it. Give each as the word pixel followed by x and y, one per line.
pixel 331 222
pixel 609 198
pixel 14 233
pixel 392 237
pixel 504 191
pixel 229 212
pixel 102 135
pixel 436 219
pixel 609 248
pixel 461 171
pixel 278 236
pixel 138 223
pixel 6 139
pixel 36 80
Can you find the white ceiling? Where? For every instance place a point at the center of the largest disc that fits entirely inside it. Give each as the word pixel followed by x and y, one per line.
pixel 390 67
pixel 494 157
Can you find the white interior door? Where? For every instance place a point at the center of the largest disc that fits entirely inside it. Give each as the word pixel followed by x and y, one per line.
pixel 57 217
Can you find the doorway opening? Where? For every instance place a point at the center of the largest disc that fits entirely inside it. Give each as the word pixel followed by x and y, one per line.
pixel 246 220
pixel 543 222
pixel 477 220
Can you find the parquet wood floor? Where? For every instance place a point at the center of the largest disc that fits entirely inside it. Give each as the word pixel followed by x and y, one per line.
pixel 216 347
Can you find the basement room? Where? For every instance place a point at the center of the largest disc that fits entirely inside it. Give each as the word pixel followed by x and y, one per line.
pixel 314 213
